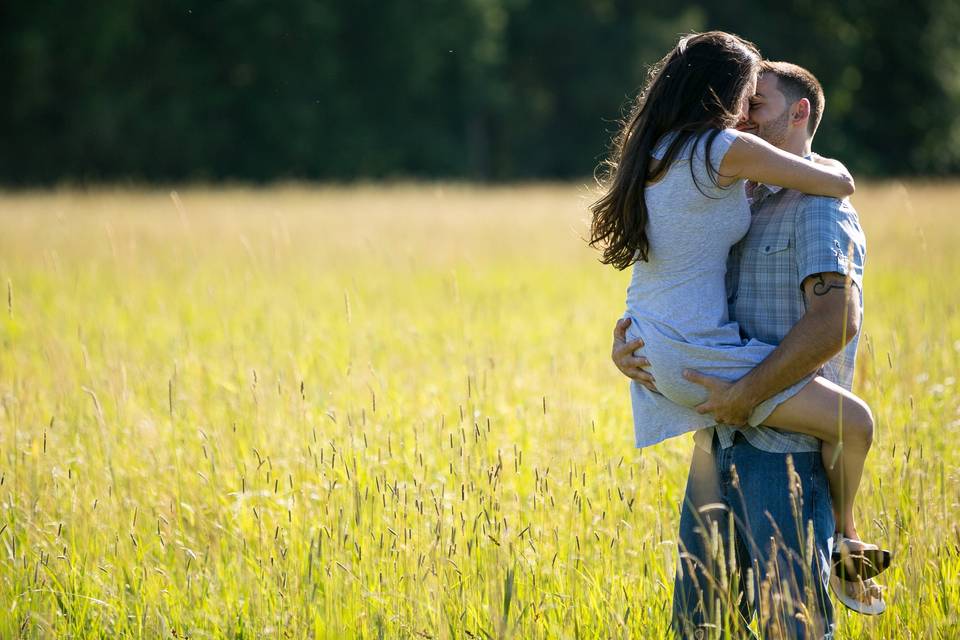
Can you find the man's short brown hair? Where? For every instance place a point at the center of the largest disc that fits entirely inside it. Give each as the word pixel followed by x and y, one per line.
pixel 795 83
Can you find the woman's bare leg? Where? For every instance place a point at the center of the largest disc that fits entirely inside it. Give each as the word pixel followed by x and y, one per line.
pixel 830 452
pixel 845 425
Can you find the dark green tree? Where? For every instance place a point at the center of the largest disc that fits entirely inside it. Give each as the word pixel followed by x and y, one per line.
pixel 483 89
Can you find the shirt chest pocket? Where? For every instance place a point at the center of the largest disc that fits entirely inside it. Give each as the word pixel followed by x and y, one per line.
pixel 769 267
pixel 776 249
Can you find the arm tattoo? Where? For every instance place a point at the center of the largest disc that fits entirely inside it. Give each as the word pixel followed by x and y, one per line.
pixel 821 287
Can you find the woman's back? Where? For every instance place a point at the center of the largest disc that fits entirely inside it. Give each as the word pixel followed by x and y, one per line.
pixel 692 223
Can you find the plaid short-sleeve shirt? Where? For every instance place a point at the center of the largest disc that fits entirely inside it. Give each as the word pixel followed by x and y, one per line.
pixel 792 236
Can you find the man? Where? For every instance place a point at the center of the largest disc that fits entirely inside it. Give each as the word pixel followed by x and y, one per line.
pixel 794 280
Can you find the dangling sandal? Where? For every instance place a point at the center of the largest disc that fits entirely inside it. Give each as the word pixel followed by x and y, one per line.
pixel 860 563
pixel 874 606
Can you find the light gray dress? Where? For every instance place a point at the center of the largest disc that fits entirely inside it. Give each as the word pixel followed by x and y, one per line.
pixel 677 300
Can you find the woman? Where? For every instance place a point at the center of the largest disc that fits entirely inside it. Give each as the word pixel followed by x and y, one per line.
pixel 674 206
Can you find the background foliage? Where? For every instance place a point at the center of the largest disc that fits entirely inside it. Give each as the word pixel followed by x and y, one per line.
pixel 482 89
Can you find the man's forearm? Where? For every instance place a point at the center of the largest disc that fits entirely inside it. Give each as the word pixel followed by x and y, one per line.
pixel 813 341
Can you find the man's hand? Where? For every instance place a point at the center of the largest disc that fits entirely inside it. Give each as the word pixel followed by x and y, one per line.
pixel 724 400
pixel 622 354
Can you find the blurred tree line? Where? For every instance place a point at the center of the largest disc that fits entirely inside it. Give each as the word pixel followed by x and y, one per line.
pixel 482 89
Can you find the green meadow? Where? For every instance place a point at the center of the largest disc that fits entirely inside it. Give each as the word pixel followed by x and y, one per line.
pixel 390 412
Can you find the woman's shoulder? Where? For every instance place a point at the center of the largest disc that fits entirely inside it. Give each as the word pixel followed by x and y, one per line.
pixel 717 139
pixel 696 166
pixel 712 137
pixel 663 143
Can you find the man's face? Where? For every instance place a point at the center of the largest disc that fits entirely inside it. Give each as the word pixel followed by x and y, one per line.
pixel 769 112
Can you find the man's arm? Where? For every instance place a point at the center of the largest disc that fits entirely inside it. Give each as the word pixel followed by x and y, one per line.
pixel 831 320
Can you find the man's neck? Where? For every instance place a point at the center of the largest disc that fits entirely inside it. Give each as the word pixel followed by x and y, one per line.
pixel 799 145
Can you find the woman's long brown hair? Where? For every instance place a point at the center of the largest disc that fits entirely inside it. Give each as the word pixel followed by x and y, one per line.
pixel 694 90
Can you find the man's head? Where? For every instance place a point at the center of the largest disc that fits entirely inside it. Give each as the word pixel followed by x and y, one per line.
pixel 787 107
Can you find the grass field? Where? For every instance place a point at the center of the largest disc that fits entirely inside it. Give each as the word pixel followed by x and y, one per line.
pixel 390 412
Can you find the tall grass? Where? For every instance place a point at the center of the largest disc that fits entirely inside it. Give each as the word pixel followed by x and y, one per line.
pixel 389 412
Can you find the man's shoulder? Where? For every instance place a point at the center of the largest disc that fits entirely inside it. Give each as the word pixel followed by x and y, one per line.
pixel 825 205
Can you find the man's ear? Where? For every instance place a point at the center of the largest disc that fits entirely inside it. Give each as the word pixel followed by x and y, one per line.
pixel 800 112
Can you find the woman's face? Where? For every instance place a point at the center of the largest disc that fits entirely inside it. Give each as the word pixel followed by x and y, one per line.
pixel 748 93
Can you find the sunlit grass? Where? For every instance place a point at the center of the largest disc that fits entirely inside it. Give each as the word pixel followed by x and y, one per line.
pixel 390 412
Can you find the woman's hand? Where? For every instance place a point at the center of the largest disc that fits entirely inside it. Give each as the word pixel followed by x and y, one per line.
pixel 829 162
pixel 622 354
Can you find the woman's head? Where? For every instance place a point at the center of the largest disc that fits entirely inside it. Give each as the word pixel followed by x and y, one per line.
pixel 703 84
pixel 704 81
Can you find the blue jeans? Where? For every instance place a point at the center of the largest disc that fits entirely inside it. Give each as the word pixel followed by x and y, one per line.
pixel 753 542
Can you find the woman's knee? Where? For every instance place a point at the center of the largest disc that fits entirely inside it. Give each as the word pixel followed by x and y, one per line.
pixel 858 424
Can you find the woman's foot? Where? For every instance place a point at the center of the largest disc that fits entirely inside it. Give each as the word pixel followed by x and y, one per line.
pixel 862 596
pixel 853 558
pixel 850 544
